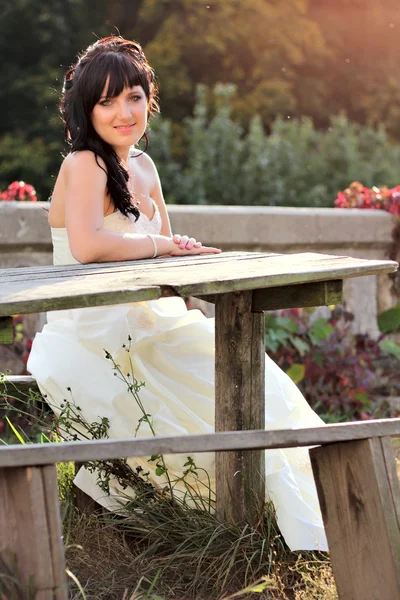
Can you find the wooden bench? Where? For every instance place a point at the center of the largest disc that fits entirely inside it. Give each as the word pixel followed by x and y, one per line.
pixel 242 285
pixel 353 466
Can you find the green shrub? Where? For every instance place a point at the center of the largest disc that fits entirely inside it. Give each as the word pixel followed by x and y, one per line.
pixel 210 159
pixel 341 374
pixel 294 165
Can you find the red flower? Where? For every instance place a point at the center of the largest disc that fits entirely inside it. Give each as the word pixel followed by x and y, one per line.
pixel 18 190
pixel 359 196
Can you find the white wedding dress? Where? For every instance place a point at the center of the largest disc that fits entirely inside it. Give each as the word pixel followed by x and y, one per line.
pixel 172 351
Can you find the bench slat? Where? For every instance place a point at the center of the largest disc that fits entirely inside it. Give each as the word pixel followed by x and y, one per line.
pixel 42 454
pixel 18 386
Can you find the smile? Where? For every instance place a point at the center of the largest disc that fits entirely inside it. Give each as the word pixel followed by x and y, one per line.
pixel 124 128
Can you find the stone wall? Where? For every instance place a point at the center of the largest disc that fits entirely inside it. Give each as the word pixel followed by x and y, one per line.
pixel 25 240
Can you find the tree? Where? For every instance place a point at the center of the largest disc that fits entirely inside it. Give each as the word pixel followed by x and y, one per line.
pixel 257 45
pixel 361 74
pixel 37 43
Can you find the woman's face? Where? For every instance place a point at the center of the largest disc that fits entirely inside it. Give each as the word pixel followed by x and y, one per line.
pixel 121 121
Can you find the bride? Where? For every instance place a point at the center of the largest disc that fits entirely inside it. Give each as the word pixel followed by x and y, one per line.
pixel 107 205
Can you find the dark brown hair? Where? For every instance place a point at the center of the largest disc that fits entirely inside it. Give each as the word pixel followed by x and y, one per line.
pixel 123 64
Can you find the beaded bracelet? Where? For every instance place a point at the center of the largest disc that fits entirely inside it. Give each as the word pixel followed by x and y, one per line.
pixel 149 235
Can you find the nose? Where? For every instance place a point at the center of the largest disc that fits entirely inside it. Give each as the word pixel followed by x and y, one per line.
pixel 124 111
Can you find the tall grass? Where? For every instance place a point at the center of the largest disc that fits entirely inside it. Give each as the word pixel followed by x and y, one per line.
pixel 160 545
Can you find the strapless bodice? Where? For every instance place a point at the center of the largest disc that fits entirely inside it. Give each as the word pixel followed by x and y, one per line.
pixel 116 221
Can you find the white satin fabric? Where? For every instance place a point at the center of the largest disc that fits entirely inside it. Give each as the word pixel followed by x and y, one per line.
pixel 172 351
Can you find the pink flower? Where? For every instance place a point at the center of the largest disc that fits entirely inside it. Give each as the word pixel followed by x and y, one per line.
pixel 18 190
pixel 359 196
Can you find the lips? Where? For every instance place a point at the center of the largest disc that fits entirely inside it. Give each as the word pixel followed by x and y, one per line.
pixel 124 128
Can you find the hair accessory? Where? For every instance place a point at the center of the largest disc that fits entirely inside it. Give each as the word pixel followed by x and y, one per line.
pixel 151 236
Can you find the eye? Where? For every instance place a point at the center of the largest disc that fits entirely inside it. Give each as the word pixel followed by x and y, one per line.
pixel 136 97
pixel 105 103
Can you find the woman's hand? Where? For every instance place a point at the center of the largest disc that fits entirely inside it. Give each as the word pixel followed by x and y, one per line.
pixel 184 241
pixel 183 245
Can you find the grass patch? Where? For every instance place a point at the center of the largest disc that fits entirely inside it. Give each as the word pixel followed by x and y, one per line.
pixel 179 552
pixel 164 545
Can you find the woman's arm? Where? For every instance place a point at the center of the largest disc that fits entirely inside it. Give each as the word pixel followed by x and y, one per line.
pixel 84 206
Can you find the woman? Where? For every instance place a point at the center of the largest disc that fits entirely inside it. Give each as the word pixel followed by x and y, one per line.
pixel 94 216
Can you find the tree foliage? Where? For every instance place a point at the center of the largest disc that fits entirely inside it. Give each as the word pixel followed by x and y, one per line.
pixel 256 45
pixel 295 164
pixel 287 60
pixel 361 73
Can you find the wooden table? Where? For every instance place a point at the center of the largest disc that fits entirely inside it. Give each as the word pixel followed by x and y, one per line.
pixel 353 463
pixel 242 285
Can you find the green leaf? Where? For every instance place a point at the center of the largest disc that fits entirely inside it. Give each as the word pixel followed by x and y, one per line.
pixel 362 397
pixel 301 346
pixel 288 324
pixel 160 471
pixel 16 432
pixel 260 587
pixel 281 336
pixel 270 344
pixel 296 372
pixel 270 321
pixel 320 330
pixel 275 338
pixel 391 348
pixel 389 320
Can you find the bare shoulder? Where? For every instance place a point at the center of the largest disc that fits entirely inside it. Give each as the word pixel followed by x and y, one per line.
pixel 145 161
pixel 84 162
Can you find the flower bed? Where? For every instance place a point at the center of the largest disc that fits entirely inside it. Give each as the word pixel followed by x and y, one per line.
pixel 343 376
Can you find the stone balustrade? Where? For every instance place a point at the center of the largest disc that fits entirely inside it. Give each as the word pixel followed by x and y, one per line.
pixel 25 240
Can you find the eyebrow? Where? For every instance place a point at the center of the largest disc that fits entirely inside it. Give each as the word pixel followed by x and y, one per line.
pixel 133 91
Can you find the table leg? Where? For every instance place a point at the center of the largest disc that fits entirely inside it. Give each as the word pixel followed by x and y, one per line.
pixel 239 405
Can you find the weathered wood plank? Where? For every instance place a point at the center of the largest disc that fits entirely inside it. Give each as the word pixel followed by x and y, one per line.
pixel 214 275
pixel 391 469
pixel 358 499
pixel 321 293
pixel 239 405
pixel 6 330
pixel 251 260
pixel 31 529
pixel 18 386
pixel 54 271
pixel 50 489
pixel 42 454
pixel 74 295
pixel 282 270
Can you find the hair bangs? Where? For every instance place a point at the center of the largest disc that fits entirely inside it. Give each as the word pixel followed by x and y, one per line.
pixel 111 73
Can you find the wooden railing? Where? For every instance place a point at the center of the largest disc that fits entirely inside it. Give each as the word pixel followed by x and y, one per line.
pixel 353 466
